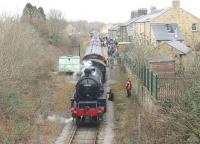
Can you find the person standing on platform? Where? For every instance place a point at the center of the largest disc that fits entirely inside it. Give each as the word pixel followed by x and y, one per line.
pixel 128 87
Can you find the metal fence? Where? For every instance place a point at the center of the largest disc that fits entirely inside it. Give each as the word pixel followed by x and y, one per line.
pixel 161 88
pixel 175 88
pixel 149 79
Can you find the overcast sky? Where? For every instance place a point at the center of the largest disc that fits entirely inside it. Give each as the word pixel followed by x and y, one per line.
pixel 96 10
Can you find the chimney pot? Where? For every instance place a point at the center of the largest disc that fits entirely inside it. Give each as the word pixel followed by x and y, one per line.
pixel 142 11
pixel 176 3
pixel 153 8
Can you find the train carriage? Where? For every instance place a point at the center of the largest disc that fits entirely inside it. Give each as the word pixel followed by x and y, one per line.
pixel 96 55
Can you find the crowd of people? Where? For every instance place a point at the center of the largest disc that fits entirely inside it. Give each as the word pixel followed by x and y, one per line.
pixel 110 44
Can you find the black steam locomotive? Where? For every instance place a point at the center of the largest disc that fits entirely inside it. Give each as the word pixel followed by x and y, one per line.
pixel 89 86
pixel 89 100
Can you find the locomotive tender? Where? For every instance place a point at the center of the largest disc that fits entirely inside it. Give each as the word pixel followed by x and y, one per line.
pixel 89 100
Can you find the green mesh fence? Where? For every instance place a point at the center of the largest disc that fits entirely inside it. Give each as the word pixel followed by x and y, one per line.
pixel 149 79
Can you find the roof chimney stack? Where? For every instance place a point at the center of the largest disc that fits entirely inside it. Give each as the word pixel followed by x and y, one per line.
pixel 142 11
pixel 152 9
pixel 176 3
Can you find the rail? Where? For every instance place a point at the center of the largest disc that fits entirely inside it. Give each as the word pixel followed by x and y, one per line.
pixel 73 135
pixel 88 135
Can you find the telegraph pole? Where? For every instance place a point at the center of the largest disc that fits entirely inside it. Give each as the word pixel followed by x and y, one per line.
pixel 78 37
pixel 79 51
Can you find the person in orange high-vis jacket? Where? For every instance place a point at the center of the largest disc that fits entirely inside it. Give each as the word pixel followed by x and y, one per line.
pixel 128 87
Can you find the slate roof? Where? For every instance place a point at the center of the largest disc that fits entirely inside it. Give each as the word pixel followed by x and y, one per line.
pixel 159 59
pixel 152 15
pixel 161 32
pixel 132 20
pixel 114 28
pixel 182 48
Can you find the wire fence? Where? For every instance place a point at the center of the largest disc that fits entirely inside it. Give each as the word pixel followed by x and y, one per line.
pixel 149 79
pixel 160 88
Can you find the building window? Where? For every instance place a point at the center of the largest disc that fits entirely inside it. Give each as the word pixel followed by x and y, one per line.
pixel 170 28
pixel 167 25
pixel 194 27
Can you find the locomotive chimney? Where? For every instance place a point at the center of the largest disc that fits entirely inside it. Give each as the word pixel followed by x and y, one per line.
pixel 87 72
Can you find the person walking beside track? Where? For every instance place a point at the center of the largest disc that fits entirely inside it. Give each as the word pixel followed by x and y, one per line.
pixel 128 87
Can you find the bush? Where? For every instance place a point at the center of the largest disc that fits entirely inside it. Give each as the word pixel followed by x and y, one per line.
pixel 56 25
pixel 3 137
pixel 193 100
pixel 25 65
pixel 20 131
pixel 10 105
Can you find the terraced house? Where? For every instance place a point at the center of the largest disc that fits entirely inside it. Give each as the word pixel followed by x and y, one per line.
pixel 173 32
pixel 169 24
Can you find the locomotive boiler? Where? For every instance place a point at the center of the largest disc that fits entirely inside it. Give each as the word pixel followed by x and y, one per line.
pixel 90 86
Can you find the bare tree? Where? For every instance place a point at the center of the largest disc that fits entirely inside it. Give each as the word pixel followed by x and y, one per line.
pixel 56 26
pixel 24 62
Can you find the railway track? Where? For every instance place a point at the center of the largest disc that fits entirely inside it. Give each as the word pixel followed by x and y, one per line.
pixel 84 135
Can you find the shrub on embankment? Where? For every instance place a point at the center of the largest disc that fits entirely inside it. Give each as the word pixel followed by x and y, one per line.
pixel 24 92
pixel 28 88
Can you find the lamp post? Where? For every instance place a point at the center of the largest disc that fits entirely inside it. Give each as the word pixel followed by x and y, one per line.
pixel 79 51
pixel 79 44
